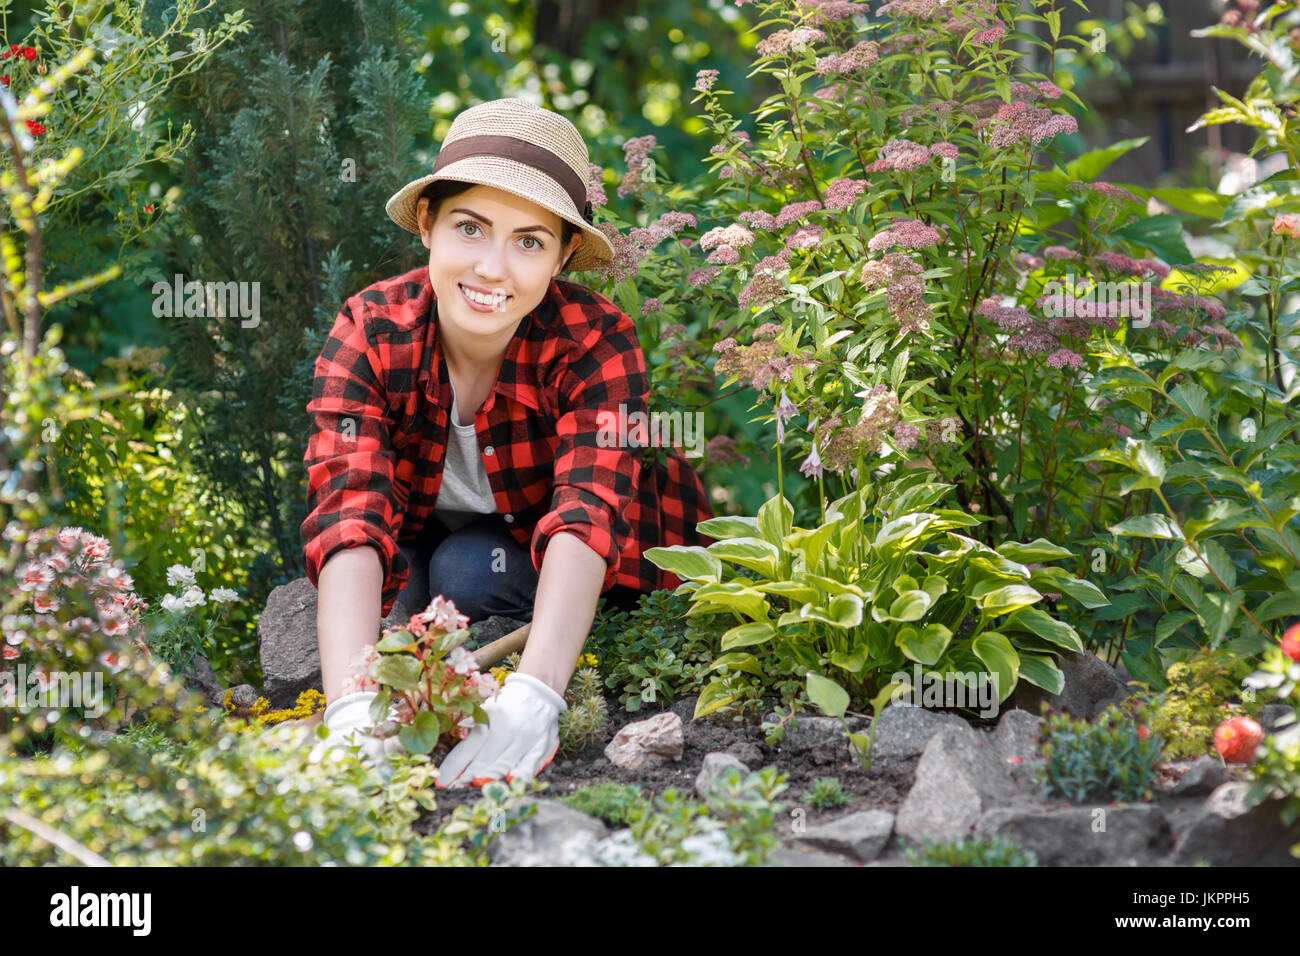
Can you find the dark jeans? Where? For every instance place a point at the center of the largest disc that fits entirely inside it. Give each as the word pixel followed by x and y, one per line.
pixel 482 569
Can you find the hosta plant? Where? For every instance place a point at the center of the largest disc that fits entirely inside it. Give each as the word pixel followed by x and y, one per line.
pixel 888 582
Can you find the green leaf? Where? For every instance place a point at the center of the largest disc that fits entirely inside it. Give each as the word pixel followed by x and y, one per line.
pixel 810 543
pixel 830 697
pixel 1039 622
pixel 400 671
pixel 1170 623
pixel 1000 658
pixel 1218 562
pixel 738 594
pixel 1148 526
pixel 422 735
pixel 910 606
pixel 1161 234
pixel 1042 671
pixel 729 526
pixel 1090 164
pixel 397 641
pixel 688 562
pixel 1057 579
pixel 746 635
pixel 753 553
pixel 1040 549
pixel 845 611
pixel 927 646
pixel 852 662
pixel 775 520
pixel 714 697
pixel 1197 201
pixel 1009 598
pixel 738 662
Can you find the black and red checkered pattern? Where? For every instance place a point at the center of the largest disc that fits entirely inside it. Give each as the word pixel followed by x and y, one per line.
pixel 380 410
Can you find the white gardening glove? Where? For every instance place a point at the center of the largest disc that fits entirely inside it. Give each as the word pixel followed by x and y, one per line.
pixel 348 721
pixel 520 739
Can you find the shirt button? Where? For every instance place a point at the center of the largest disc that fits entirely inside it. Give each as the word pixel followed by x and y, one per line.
pixel 510 518
pixel 489 450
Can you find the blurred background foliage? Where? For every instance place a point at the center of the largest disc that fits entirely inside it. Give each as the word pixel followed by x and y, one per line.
pixel 263 141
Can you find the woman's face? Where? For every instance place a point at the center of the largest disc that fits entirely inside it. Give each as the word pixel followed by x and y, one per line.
pixel 504 247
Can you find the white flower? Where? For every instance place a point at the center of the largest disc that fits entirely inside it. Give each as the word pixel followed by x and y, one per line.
pixel 223 595
pixel 462 661
pixel 171 602
pixel 179 574
pixel 193 597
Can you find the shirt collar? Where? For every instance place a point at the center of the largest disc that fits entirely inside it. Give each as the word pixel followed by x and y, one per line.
pixel 517 378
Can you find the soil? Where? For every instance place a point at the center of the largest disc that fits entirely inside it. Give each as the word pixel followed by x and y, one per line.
pixel 883 787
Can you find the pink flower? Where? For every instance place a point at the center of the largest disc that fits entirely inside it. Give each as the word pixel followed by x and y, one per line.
pixel 1060 252
pixel 705 79
pixel 35 577
pixel 909 233
pixel 1064 357
pixel 812 465
pixel 785 410
pixel 1287 224
pixel 991 35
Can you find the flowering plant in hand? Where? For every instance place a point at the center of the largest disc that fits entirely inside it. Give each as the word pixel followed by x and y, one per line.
pixel 429 690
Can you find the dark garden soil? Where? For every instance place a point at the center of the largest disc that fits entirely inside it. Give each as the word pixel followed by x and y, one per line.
pixel 884 786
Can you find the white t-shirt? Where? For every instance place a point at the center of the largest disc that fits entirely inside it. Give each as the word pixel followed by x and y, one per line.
pixel 465 493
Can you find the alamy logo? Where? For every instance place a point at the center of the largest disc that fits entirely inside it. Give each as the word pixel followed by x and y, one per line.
pixel 39 690
pixel 948 689
pixel 217 299
pixel 103 909
pixel 1126 300
pixel 685 430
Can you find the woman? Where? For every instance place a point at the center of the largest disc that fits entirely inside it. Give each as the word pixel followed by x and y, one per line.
pixel 460 427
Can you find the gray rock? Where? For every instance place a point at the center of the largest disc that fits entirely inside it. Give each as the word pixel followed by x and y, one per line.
pixel 1271 716
pixel 286 633
pixel 747 752
pixel 905 729
pixel 861 835
pixel 958 778
pixel 243 697
pixel 555 835
pixel 716 764
pixel 806 856
pixel 1225 833
pixel 1016 742
pixel 1202 777
pixel 1090 684
pixel 204 680
pixel 685 708
pixel 822 738
pixel 1131 835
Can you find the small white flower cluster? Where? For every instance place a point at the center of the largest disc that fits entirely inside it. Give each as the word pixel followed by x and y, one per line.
pixel 178 575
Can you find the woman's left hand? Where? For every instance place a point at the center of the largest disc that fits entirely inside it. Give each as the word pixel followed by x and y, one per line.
pixel 520 740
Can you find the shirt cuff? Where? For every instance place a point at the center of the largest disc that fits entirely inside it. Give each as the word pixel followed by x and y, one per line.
pixel 588 528
pixel 351 533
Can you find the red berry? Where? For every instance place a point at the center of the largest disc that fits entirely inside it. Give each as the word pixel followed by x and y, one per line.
pixel 1291 642
pixel 1237 738
pixel 29 53
pixel 35 128
pixel 1143 733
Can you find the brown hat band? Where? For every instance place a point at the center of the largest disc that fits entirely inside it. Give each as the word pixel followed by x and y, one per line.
pixel 508 147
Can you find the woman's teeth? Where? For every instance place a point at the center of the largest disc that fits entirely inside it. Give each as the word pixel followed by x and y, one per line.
pixel 479 298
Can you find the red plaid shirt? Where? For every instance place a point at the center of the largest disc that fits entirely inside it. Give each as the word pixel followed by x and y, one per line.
pixel 379 417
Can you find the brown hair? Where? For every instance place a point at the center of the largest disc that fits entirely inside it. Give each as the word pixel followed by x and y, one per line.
pixel 441 189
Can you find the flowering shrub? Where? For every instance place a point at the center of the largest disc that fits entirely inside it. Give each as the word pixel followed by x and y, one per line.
pixel 1277 761
pixel 433 683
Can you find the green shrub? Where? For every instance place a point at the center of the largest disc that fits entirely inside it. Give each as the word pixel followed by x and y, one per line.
pixel 654 654
pixel 825 793
pixel 585 719
pixel 1192 705
pixel 1106 759
pixel 612 802
pixel 997 851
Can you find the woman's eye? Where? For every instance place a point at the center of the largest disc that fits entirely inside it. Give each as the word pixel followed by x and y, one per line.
pixel 536 243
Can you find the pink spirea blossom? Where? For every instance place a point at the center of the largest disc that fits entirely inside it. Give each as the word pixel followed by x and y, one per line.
pixel 842 193
pixel 1060 252
pixel 946 150
pixel 901 155
pixel 1109 190
pixel 705 79
pixel 794 212
pixel 990 35
pixel 724 255
pixel 1063 358
pixel 757 219
pixel 909 233
pixel 859 57
pixel 721 450
pixel 806 237
pixel 698 277
pixel 787 41
pixel 735 235
pixel 651 305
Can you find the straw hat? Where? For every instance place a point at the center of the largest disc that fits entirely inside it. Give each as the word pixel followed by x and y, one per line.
pixel 521 148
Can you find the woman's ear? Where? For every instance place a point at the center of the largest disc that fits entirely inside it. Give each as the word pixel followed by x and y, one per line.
pixel 424 220
pixel 568 256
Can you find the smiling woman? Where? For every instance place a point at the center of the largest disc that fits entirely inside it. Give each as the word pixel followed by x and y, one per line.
pixel 460 429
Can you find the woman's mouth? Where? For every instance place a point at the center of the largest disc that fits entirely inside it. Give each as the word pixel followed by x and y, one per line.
pixel 481 302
